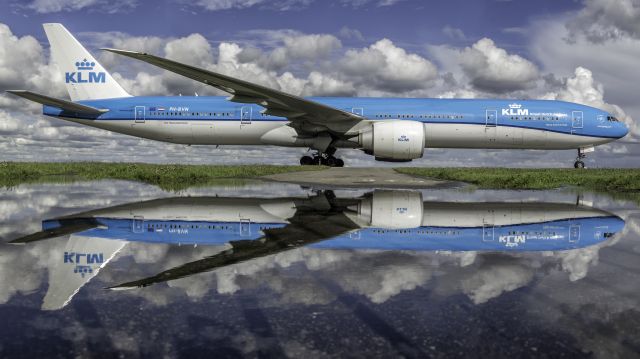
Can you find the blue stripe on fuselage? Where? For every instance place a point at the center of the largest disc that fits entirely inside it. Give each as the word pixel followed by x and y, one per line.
pixel 546 115
pixel 550 235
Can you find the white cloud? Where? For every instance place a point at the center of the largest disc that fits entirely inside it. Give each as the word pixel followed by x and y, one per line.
pixel 602 20
pixel 19 58
pixel 384 66
pixel 311 46
pixel 490 282
pixel 612 63
pixel 319 84
pixel 581 88
pixel 281 5
pixel 8 124
pixel 361 3
pixel 349 33
pixel 105 6
pixel 453 32
pixel 492 69
pixel 193 49
pixel 23 66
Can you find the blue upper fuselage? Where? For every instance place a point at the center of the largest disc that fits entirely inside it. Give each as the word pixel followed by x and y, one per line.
pixel 547 115
pixel 545 236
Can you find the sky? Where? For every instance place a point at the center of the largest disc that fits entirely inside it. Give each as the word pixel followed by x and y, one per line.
pixel 581 51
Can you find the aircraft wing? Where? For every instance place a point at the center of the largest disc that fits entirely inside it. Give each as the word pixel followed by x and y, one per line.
pixel 59 103
pixel 304 229
pixel 304 114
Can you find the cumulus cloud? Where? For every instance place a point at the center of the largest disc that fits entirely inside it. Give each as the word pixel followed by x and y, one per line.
pixel 453 32
pixel 492 69
pixel 490 282
pixel 105 6
pixel 612 63
pixel 349 33
pixel 385 66
pixel 8 124
pixel 582 88
pixel 602 20
pixel 311 46
pixel 282 5
pixel 360 3
pixel 23 65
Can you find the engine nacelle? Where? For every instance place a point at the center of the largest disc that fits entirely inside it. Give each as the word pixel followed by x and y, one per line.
pixel 394 140
pixel 389 209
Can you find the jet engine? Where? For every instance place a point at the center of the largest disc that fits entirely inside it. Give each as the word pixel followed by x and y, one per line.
pixel 394 141
pixel 389 209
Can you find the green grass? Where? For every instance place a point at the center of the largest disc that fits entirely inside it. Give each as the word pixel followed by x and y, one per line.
pixel 601 180
pixel 169 177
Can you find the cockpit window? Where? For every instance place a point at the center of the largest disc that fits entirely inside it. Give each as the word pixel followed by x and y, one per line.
pixel 612 119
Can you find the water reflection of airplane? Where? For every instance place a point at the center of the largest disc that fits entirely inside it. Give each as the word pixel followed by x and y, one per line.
pixel 257 227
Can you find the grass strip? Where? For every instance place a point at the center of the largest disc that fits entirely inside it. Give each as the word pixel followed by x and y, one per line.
pixel 601 179
pixel 166 176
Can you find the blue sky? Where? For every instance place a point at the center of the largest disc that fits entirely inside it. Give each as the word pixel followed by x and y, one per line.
pixel 411 23
pixel 583 51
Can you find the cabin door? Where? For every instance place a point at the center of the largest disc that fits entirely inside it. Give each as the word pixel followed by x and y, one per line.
pixel 488 228
pixel 488 232
pixel 139 114
pixel 245 227
pixel 574 233
pixel 491 122
pixel 137 225
pixel 245 116
pixel 576 119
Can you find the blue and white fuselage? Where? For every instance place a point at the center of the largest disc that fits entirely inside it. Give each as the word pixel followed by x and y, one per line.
pixel 448 123
pixel 394 220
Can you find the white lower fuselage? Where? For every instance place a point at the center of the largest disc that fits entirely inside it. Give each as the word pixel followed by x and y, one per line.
pixel 443 135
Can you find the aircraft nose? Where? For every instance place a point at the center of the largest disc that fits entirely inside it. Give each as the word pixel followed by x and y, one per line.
pixel 623 130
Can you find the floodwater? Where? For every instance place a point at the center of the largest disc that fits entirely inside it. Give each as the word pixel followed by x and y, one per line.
pixel 121 269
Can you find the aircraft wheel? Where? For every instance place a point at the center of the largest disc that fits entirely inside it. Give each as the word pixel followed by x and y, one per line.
pixel 331 162
pixel 578 164
pixel 306 161
pixel 339 163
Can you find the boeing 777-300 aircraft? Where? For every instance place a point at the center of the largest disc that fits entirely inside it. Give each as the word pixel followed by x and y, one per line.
pixel 390 129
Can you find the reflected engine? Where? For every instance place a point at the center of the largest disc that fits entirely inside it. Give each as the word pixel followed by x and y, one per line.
pixel 389 209
pixel 394 141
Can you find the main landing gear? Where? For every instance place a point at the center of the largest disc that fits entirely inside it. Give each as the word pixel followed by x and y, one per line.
pixel 322 158
pixel 579 163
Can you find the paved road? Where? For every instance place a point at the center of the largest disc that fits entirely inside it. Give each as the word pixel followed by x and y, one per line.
pixel 359 177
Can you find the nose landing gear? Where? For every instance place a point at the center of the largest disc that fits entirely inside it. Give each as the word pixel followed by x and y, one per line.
pixel 579 163
pixel 322 158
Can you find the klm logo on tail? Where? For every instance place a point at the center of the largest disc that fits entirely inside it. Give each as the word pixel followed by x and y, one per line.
pixel 85 74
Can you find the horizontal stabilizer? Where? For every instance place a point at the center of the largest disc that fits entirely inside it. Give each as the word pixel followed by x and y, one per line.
pixel 59 103
pixel 66 226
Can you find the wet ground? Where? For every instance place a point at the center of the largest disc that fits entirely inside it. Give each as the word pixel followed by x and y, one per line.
pixel 272 269
pixel 358 177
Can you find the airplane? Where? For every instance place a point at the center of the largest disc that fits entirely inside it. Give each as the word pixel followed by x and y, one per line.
pixel 390 129
pixel 251 228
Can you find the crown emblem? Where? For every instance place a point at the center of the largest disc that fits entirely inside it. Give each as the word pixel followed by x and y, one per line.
pixel 85 65
pixel 515 105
